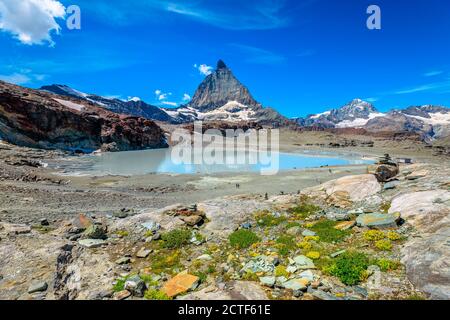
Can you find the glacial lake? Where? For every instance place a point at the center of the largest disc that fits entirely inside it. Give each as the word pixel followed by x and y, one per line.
pixel 160 161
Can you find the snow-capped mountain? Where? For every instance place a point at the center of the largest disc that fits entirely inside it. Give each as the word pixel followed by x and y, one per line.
pixel 354 114
pixel 133 107
pixel 430 121
pixel 222 97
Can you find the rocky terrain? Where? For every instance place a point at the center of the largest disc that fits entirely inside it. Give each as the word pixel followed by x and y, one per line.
pixel 378 235
pixel 38 119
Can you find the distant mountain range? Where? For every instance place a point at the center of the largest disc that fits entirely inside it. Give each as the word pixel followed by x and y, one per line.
pixel 220 97
pixel 429 121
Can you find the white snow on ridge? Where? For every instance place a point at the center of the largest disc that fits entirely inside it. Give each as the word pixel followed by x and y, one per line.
pixel 326 113
pixel 359 122
pixel 435 118
pixel 70 104
pixel 232 111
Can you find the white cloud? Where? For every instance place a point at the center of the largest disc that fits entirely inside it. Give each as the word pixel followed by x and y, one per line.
pixel 168 103
pixel 204 69
pixel 135 99
pixel 186 97
pixel 31 21
pixel 158 92
pixel 15 78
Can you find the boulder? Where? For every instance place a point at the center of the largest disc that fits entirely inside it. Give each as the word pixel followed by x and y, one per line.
pixel 343 191
pixel 236 290
pixel 378 220
pixel 384 172
pixel 427 257
pixel 135 285
pixel 96 231
pixel 179 284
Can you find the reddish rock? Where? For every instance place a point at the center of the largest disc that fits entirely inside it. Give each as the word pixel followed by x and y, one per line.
pixel 39 119
pixel 179 284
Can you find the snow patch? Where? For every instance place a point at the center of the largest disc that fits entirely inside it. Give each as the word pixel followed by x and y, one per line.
pixel 70 104
pixel 359 122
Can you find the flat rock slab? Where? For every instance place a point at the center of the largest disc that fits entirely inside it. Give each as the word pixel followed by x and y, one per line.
pixel 357 187
pixel 91 243
pixel 303 262
pixel 179 284
pixel 378 220
pixel 237 290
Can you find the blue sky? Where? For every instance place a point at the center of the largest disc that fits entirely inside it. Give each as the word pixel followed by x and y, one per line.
pixel 299 56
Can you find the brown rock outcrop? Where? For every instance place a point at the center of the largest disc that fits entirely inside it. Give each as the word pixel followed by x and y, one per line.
pixel 39 119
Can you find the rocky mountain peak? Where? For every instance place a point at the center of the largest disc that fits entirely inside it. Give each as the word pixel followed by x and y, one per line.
pixel 221 65
pixel 220 88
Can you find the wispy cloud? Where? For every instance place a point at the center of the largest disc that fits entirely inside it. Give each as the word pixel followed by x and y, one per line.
pixel 426 87
pixel 245 15
pixel 230 14
pixel 433 73
pixel 31 21
pixel 22 76
pixel 258 55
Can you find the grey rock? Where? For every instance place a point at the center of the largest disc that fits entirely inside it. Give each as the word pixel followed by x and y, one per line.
pixel 337 253
pixel 44 222
pixel 307 275
pixel 151 226
pixel 303 262
pixel 308 233
pixel 95 231
pixel 136 286
pixel 322 295
pixel 378 220
pixel 259 264
pixel 143 253
pixel 246 225
pixel 391 185
pixel 38 286
pixel 123 260
pixel 268 281
pixel 91 243
pixel 294 284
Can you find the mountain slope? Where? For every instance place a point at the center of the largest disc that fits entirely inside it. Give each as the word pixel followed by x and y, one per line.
pixel 134 107
pixel 36 118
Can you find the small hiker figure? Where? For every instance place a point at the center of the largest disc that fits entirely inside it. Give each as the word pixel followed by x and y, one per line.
pixel 266 196
pixel 238 185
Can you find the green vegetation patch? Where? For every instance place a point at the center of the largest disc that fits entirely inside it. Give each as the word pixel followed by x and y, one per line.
pixel 304 210
pixel 243 239
pixel 285 244
pixel 388 265
pixel 153 294
pixel 327 233
pixel 350 267
pixel 176 238
pixel 267 219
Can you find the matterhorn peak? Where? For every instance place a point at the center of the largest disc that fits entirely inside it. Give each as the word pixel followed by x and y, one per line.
pixel 220 88
pixel 221 65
